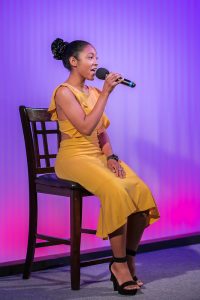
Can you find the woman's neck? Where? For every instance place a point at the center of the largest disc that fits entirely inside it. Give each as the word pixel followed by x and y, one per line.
pixel 76 81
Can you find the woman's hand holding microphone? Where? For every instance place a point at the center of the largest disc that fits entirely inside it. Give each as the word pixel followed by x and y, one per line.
pixel 111 81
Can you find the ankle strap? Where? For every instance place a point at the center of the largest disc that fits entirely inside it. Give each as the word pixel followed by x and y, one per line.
pixel 119 259
pixel 130 252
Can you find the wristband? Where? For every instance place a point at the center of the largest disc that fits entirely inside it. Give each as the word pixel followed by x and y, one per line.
pixel 113 156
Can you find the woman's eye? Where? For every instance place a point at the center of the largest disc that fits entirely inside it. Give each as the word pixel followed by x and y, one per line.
pixel 92 57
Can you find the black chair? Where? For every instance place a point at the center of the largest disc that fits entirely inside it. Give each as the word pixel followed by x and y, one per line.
pixel 42 179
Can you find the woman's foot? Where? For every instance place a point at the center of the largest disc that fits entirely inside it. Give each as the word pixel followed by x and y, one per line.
pixel 122 274
pixel 131 265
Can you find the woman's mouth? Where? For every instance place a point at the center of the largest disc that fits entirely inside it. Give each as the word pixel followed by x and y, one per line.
pixel 93 71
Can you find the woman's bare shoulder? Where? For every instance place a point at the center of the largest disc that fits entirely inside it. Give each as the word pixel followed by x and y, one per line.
pixel 63 93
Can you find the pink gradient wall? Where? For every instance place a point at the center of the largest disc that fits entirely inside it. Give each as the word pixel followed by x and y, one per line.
pixel 154 127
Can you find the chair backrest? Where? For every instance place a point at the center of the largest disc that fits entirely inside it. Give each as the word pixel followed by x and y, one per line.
pixel 41 147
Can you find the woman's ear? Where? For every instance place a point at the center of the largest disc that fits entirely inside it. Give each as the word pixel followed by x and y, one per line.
pixel 73 61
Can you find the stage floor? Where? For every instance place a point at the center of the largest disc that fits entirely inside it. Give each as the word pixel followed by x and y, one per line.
pixel 168 274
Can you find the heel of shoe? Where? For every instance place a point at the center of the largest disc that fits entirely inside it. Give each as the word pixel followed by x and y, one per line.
pixel 115 286
pixel 113 279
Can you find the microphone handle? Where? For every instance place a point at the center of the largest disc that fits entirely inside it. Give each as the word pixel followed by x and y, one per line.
pixel 128 82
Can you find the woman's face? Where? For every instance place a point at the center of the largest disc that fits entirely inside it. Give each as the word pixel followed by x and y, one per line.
pixel 87 62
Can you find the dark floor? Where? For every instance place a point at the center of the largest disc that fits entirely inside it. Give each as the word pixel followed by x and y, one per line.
pixel 168 274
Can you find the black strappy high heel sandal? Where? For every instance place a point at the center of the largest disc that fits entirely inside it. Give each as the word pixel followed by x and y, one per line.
pixel 121 288
pixel 135 278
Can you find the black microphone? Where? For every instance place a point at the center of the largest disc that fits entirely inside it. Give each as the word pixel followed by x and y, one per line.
pixel 102 72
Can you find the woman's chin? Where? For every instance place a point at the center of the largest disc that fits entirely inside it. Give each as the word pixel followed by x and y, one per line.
pixel 91 78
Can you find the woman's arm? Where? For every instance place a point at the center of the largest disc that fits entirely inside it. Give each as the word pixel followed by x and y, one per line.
pixel 106 148
pixel 104 143
pixel 85 124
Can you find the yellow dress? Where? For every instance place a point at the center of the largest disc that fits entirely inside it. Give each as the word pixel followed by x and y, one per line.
pixel 80 159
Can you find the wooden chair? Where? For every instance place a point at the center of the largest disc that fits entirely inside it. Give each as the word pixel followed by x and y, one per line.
pixel 42 179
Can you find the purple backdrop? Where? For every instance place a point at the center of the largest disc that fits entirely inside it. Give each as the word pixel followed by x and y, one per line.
pixel 154 127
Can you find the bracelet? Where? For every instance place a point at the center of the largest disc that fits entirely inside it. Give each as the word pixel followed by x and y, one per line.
pixel 113 156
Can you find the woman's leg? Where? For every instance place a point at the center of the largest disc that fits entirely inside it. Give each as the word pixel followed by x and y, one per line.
pixel 118 245
pixel 135 227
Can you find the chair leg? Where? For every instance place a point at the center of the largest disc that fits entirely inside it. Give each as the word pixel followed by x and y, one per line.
pixel 33 212
pixel 75 237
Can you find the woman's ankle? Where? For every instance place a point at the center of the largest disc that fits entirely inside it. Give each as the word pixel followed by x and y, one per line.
pixel 118 266
pixel 131 265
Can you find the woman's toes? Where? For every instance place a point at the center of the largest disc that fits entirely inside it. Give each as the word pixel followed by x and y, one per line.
pixel 139 282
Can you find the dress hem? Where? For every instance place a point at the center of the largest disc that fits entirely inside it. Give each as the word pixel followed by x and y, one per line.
pixel 151 220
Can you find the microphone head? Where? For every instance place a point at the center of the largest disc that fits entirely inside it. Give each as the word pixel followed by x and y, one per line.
pixel 101 73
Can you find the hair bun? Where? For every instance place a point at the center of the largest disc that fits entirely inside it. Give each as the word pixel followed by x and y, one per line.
pixel 58 48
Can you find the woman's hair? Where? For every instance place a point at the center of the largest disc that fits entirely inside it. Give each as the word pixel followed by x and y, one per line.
pixel 63 50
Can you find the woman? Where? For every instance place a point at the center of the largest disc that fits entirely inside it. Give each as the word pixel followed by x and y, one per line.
pixel 86 156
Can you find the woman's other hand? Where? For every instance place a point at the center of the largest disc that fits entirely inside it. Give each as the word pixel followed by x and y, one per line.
pixel 116 168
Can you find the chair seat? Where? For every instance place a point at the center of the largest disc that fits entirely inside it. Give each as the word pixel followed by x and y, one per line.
pixel 53 180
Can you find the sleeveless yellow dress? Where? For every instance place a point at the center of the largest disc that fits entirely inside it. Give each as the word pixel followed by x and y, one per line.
pixel 80 159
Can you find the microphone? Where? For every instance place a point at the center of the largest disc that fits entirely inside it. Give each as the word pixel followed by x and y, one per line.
pixel 102 72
